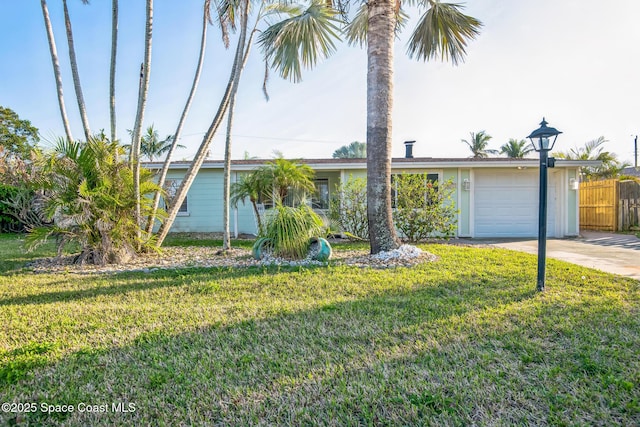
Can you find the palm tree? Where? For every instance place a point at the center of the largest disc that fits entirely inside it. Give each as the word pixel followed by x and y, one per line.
pixel 151 146
pixel 516 149
pixel 593 150
pixel 442 31
pixel 206 19
pixel 134 157
pixel 478 145
pixel 355 150
pixel 74 71
pixel 226 189
pixel 272 182
pixel 56 69
pixel 112 68
pixel 203 150
pixel 285 175
pixel 250 186
pixel 89 194
pixel 312 28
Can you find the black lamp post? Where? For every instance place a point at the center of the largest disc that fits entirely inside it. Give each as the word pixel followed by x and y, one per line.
pixel 543 140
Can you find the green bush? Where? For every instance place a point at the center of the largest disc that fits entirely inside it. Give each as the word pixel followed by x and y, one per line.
pixel 8 221
pixel 349 211
pixel 91 199
pixel 424 209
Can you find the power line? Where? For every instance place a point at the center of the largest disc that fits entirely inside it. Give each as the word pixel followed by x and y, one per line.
pixel 276 138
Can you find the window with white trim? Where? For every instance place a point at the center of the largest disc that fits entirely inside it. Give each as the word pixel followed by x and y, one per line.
pixel 171 187
pixel 429 180
pixel 320 199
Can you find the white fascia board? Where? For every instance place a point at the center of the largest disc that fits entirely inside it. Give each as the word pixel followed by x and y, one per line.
pixel 431 164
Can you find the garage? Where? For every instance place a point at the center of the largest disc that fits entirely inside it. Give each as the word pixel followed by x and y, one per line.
pixel 505 203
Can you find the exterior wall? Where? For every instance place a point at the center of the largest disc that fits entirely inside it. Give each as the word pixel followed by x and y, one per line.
pixel 242 218
pixel 573 213
pixel 204 203
pixel 464 204
pixel 205 206
pixel 334 182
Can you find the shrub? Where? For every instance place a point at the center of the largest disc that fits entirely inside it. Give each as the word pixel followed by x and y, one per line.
pixel 424 209
pixel 90 197
pixel 8 221
pixel 290 229
pixel 349 212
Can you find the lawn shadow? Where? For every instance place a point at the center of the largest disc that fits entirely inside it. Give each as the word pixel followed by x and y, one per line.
pixel 111 283
pixel 466 349
pixel 242 372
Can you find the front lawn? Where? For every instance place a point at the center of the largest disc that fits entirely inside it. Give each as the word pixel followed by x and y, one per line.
pixel 464 340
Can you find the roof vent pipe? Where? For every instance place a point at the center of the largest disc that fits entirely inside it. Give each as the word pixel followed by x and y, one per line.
pixel 408 146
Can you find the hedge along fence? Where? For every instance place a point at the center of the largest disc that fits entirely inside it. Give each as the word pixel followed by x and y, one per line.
pixel 609 205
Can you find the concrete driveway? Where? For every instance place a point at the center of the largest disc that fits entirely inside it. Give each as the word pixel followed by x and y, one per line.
pixel 613 253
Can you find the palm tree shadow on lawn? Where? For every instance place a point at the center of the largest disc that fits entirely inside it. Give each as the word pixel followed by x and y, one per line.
pixel 234 372
pixel 465 349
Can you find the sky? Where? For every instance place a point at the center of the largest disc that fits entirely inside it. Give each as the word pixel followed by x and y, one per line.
pixel 575 62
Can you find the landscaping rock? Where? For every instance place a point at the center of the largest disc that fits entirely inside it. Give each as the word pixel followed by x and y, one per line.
pixel 187 257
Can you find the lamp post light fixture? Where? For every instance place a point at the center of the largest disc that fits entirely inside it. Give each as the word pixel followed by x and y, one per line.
pixel 543 140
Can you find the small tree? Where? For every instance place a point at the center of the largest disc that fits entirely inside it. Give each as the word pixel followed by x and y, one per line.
pixel 250 186
pixel 284 176
pixel 349 211
pixel 424 209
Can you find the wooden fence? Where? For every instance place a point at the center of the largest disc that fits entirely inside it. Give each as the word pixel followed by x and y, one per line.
pixel 628 205
pixel 609 205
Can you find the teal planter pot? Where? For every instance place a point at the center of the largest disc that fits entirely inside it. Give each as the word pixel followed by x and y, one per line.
pixel 259 247
pixel 319 249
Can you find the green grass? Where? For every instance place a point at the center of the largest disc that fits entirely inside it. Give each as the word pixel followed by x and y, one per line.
pixel 463 340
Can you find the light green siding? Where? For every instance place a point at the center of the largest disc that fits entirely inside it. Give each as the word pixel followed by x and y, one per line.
pixel 572 205
pixel 464 205
pixel 242 217
pixel 205 200
pixel 204 203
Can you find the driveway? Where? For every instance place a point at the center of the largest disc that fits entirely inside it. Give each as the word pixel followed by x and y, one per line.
pixel 613 253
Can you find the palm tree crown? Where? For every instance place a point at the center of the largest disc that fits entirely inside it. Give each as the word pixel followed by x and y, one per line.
pixel 152 147
pixel 516 149
pixel 593 150
pixel 355 150
pixel 478 144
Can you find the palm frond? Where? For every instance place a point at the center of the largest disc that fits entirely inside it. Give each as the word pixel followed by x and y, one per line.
pixel 443 31
pixel 300 41
pixel 356 31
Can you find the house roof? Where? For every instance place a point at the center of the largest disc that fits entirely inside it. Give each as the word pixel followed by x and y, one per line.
pixel 630 171
pixel 399 162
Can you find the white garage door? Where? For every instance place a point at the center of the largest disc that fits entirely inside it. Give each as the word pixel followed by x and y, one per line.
pixel 506 203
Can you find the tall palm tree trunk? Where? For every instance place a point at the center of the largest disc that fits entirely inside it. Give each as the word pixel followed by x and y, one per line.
pixel 56 68
pixel 142 101
pixel 74 72
pixel 176 136
pixel 206 141
pixel 380 36
pixel 112 70
pixel 226 236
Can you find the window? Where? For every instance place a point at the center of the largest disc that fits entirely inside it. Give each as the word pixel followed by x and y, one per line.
pixel 320 199
pixel 171 187
pixel 429 179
